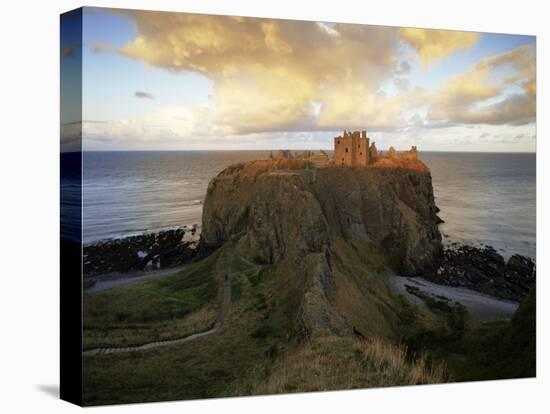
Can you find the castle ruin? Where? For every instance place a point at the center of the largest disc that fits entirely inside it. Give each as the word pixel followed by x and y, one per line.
pixel 352 149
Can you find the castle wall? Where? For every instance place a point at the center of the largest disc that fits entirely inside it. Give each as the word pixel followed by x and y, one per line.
pixel 344 150
pixel 351 149
pixel 362 151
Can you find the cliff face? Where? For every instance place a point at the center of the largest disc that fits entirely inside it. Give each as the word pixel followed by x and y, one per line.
pixel 292 212
pixel 325 230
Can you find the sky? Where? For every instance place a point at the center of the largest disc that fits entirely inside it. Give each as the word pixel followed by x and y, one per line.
pixel 177 81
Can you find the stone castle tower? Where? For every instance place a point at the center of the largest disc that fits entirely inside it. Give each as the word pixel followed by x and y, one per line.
pixel 352 149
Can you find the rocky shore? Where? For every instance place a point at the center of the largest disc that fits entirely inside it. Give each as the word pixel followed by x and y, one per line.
pixel 484 270
pixel 151 251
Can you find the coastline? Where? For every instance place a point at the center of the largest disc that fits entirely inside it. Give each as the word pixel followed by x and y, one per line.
pixel 99 283
pixel 480 306
pixel 316 253
pixel 473 265
pixel 139 257
pixel 119 257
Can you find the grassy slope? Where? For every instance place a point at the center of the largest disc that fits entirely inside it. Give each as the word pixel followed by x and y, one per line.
pixel 163 308
pixel 361 295
pixel 228 362
pixel 443 333
pixel 474 350
pixel 247 356
pixel 256 351
pixel 336 363
pixel 498 350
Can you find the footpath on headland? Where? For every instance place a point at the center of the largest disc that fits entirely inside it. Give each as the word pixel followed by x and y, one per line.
pixel 218 323
pixel 120 279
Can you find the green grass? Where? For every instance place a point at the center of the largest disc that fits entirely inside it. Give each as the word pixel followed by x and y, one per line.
pixel 498 350
pixel 154 309
pixel 238 264
pixel 236 290
pixel 474 350
pixel 258 276
pixel 454 315
pixel 229 362
pixel 207 367
pixel 258 351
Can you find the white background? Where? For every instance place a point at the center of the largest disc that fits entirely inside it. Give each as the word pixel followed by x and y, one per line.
pixel 29 199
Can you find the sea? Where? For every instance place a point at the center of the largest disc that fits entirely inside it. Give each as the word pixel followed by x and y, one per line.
pixel 484 198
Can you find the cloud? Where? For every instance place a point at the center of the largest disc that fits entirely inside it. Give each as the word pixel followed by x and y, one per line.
pixel 143 95
pixel 403 68
pixel 188 128
pixel 224 45
pixel 351 105
pixel 515 110
pixel 166 124
pixel 282 76
pixel 522 59
pixel 433 45
pixel 402 84
pixel 481 96
pixel 461 137
pixel 267 74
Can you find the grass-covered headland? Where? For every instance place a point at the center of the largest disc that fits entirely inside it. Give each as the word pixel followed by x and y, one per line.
pixel 306 306
pixel 259 349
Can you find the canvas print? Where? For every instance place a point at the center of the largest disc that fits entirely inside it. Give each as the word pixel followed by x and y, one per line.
pixel 266 206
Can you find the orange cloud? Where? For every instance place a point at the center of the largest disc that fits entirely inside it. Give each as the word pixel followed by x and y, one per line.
pixel 478 96
pixel 267 73
pixel 433 45
pixel 284 75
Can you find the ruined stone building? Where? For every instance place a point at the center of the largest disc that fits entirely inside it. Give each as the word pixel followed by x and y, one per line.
pixel 352 149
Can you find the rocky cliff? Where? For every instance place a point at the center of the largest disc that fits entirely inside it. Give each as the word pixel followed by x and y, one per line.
pixel 325 229
pixel 291 212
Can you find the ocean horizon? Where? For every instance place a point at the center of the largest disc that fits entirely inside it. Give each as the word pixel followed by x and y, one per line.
pixel 485 197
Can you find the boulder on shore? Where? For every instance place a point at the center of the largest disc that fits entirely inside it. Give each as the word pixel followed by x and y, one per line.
pixel 484 270
pixel 156 250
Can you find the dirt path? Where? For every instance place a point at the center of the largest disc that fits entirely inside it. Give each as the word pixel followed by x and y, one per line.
pixel 119 279
pixel 480 306
pixel 226 305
